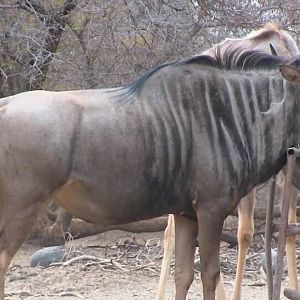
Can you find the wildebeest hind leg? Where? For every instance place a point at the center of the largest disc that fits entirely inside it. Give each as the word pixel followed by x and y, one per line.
pixel 210 224
pixel 18 212
pixel 4 262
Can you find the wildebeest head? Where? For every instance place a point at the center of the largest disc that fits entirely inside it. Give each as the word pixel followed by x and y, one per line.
pixel 271 34
pixel 291 72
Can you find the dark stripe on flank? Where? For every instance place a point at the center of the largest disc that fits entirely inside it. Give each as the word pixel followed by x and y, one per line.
pixel 74 139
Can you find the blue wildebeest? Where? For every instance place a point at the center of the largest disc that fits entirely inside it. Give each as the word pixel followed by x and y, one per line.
pixel 284 44
pixel 187 138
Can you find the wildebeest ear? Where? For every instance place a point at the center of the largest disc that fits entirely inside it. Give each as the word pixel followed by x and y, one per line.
pixel 290 73
pixel 273 51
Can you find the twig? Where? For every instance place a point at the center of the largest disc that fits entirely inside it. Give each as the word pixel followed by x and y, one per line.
pixel 66 294
pixel 82 257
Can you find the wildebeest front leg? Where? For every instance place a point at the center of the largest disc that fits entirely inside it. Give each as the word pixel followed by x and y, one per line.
pixel 185 244
pixel 210 224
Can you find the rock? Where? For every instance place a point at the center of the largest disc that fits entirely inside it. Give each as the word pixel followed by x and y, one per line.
pixel 274 261
pixel 46 256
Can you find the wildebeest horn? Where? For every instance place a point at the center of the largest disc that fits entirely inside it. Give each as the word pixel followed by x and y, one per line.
pixel 273 51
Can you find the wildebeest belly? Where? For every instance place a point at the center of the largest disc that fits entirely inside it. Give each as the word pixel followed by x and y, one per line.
pixel 102 208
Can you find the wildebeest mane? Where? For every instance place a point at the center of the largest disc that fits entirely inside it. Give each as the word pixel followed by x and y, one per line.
pixel 239 59
pixel 245 60
pixel 137 84
pixel 233 59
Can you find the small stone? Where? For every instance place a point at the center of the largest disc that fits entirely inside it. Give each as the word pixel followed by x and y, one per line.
pixel 274 261
pixel 46 256
pixel 25 294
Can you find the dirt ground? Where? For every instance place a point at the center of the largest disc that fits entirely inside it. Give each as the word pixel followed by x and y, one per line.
pixel 122 266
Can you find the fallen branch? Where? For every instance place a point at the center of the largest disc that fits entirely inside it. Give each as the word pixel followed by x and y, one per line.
pixel 80 228
pixel 80 258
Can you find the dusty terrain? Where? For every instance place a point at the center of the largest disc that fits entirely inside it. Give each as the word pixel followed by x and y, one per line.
pixel 122 266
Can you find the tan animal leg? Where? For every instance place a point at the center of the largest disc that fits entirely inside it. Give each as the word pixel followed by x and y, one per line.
pixel 169 243
pixel 185 244
pixel 220 290
pixel 55 235
pixel 210 226
pixel 63 220
pixel 4 262
pixel 245 236
pixel 291 240
pixel 291 246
